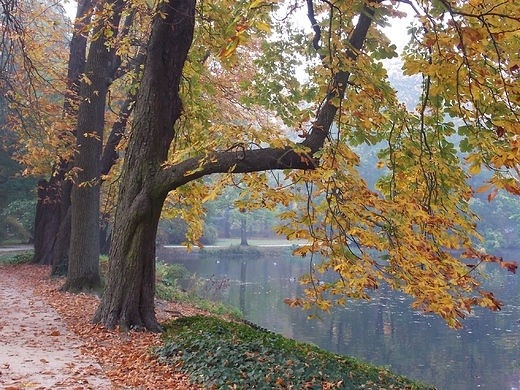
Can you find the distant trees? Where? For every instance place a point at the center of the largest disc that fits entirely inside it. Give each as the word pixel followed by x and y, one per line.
pixel 33 40
pixel 499 222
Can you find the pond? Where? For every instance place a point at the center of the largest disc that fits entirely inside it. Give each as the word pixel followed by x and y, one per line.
pixel 485 354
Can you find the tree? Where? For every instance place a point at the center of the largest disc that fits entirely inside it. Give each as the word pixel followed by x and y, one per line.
pixel 103 65
pixel 53 218
pixel 33 39
pixel 404 235
pixel 498 221
pixel 147 178
pixel 422 214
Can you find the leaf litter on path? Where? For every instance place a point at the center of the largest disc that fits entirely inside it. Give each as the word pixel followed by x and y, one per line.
pixel 48 342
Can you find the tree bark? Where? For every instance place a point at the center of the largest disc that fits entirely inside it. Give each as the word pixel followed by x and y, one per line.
pixel 60 256
pixel 60 259
pixel 83 270
pixel 129 301
pixel 47 221
pixel 243 232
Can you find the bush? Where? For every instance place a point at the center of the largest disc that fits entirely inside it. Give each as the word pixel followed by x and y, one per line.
pixel 168 273
pixel 19 220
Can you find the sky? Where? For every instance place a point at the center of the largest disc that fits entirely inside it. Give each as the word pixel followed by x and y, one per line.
pixel 70 8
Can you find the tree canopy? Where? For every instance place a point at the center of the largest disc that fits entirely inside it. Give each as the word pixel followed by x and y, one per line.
pixel 235 89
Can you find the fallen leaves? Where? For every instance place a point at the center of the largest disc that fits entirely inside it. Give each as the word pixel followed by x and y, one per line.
pixel 124 357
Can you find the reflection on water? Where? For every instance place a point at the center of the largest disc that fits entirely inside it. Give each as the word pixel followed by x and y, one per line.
pixel 385 331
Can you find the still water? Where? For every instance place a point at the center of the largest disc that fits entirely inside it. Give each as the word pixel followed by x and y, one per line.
pixel 485 354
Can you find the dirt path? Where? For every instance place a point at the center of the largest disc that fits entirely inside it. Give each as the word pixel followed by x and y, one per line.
pixel 47 342
pixel 36 348
pixel 16 248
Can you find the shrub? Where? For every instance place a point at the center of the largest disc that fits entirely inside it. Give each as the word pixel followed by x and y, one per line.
pixel 169 273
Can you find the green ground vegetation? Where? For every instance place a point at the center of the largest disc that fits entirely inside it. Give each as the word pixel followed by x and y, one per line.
pixel 15 258
pixel 217 353
pixel 200 293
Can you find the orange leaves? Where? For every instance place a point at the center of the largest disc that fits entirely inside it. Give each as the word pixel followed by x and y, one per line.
pixel 493 194
pixel 511 266
pixel 34 92
pixel 293 303
pixel 489 301
pixel 413 239
pixel 249 17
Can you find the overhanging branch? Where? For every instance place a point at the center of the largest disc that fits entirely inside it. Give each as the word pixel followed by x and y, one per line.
pixel 255 160
pixel 174 176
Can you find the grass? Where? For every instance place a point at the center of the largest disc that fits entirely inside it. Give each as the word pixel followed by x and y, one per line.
pixel 256 247
pixel 221 354
pixel 16 258
pixel 166 288
pixel 259 241
pixel 233 250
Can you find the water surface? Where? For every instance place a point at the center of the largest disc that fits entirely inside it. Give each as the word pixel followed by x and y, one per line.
pixel 485 354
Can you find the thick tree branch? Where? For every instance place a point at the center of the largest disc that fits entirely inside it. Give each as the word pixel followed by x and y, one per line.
pixel 240 161
pixel 174 176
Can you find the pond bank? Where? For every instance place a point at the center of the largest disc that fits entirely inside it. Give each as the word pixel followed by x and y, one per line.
pixel 124 357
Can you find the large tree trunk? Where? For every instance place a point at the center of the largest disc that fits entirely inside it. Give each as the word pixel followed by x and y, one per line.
pixel 83 270
pixel 51 237
pixel 129 301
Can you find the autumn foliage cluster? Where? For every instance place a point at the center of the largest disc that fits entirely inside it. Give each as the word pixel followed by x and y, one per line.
pixel 246 92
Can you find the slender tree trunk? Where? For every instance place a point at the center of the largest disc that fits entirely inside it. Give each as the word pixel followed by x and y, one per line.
pixel 226 223
pixel 83 271
pixel 47 221
pixel 129 301
pixel 243 232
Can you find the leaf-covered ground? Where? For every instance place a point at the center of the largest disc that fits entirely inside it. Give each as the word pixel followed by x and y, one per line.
pixel 232 354
pixel 124 357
